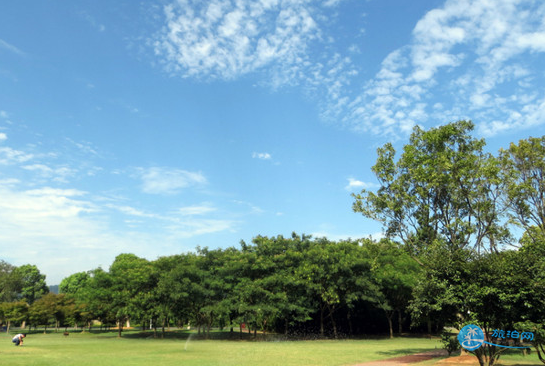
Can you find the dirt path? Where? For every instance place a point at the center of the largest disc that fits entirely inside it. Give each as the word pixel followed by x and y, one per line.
pixel 466 360
pixel 406 360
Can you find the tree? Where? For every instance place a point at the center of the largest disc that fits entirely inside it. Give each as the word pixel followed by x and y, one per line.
pixel 133 280
pixel 14 312
pixel 336 275
pixel 289 298
pixel 74 283
pixel 442 187
pixel 10 282
pixel 523 168
pixel 98 298
pixel 33 283
pixel 395 274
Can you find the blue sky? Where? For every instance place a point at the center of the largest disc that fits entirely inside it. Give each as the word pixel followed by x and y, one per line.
pixel 156 127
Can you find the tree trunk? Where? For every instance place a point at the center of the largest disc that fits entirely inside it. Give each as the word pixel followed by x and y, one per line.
pixel 349 319
pixel 163 329
pixel 322 321
pixel 390 325
pixel 400 321
pixel 331 311
pixel 286 324
pixel 429 326
pixel 119 327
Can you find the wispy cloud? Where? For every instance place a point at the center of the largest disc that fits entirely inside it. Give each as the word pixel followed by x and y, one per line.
pixel 483 53
pixel 60 230
pixel 226 39
pixel 196 210
pixel 476 60
pixel 11 48
pixel 60 174
pixel 194 227
pixel 261 156
pixel 253 208
pixel 93 22
pixel 163 180
pixel 354 184
pixel 10 156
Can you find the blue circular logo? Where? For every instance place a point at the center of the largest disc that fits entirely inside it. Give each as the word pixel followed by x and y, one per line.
pixel 471 337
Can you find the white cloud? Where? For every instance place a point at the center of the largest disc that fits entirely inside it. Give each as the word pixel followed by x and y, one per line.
pixel 60 174
pixel 196 210
pixel 477 54
pixel 10 156
pixel 161 180
pixel 262 156
pixel 131 211
pixel 64 231
pixel 225 39
pixel 191 228
pixel 354 184
pixel 465 56
pixel 3 136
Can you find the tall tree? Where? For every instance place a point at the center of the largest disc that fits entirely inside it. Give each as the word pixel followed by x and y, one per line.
pixel 524 171
pixel 33 283
pixel 444 186
pixel 10 282
pixel 133 282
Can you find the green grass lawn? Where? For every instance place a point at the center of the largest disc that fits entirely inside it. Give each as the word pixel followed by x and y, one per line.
pixel 177 349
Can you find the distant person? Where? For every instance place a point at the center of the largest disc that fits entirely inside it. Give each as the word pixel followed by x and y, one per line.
pixel 18 339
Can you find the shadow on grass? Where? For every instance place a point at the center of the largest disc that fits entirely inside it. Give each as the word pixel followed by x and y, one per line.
pixel 404 352
pixel 214 335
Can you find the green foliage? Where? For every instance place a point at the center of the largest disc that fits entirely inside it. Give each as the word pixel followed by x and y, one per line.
pixel 524 171
pixel 10 282
pixel 33 282
pixel 13 312
pixel 449 342
pixel 443 187
pixel 395 274
pixel 539 332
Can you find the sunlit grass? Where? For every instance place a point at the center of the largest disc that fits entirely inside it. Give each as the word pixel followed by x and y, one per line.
pixel 142 349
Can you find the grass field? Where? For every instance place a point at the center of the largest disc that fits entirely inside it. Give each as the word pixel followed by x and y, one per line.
pixel 185 349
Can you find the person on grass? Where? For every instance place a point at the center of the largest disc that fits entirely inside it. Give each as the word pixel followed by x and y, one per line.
pixel 18 339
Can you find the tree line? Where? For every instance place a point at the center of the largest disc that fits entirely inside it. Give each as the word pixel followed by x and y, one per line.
pixel 277 284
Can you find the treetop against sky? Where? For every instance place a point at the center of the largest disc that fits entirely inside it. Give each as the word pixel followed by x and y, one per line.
pixel 155 127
